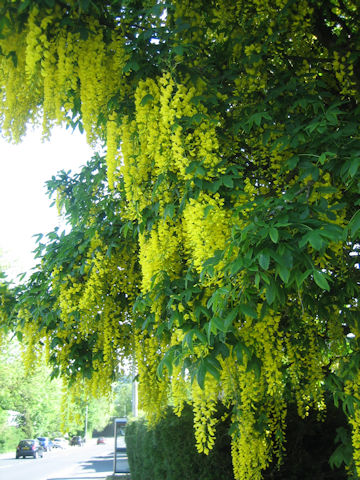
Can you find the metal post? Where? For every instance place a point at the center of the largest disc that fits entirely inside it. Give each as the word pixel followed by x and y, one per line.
pixel 134 390
pixel 86 421
pixel 115 446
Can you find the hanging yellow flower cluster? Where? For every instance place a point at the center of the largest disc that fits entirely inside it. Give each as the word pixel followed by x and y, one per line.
pixel 91 303
pixel 32 351
pixel 206 227
pixel 18 104
pixel 152 391
pixel 156 144
pixel 49 72
pixel 204 404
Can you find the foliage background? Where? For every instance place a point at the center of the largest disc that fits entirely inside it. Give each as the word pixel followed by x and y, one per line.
pixel 36 405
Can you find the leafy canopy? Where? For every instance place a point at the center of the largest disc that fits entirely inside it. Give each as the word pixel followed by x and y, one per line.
pixel 222 250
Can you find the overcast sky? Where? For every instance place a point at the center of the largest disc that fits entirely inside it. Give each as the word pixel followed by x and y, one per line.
pixel 24 206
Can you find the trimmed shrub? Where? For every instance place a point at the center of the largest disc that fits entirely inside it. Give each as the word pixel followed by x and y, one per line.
pixel 167 451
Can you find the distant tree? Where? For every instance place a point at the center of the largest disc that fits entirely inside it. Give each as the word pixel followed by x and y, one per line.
pixel 38 404
pixel 123 390
pixel 35 399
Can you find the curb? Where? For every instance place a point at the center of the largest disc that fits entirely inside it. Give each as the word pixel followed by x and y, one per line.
pixel 119 476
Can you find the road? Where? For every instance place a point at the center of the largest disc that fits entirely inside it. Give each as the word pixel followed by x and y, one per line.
pixel 89 462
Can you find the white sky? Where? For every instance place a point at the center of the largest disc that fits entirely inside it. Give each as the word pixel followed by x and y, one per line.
pixel 24 206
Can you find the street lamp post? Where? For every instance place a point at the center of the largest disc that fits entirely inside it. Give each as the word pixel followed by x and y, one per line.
pixel 86 421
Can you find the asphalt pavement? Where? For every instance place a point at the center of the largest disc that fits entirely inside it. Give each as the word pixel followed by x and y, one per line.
pixel 99 468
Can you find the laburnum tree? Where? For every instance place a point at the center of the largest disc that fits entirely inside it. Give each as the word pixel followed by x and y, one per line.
pixel 221 252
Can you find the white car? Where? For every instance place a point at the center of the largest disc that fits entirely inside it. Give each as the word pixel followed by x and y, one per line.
pixel 60 443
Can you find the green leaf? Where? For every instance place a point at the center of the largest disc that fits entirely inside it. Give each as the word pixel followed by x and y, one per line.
pixel 342 454
pixel 301 278
pixel 218 323
pixel 265 137
pixel 23 5
pixel 200 309
pixel 292 162
pixel 255 365
pixel 197 118
pixel 213 187
pixel 248 310
pixel 84 4
pixel 354 166
pixel 178 50
pixel 322 158
pixel 201 373
pixel 201 337
pixel 146 99
pixel 242 350
pixel 274 234
pixel 167 361
pixel 19 336
pixel 264 260
pixel 285 257
pixel 212 366
pixel 208 209
pixel 169 210
pixel 189 340
pixel 236 265
pixel 132 64
pixel 228 181
pixel 271 293
pixel 257 119
pixel 283 272
pixel 13 57
pixel 320 280
pixel 229 319
pixel 315 240
pixel 234 429
pixel 354 223
pixel 333 233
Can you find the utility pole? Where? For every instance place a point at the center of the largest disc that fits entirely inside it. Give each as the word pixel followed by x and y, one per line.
pixel 134 390
pixel 86 421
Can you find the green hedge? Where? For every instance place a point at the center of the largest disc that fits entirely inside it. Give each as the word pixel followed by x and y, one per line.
pixel 167 451
pixel 309 446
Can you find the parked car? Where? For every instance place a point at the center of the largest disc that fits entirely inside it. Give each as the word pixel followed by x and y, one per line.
pixel 76 440
pixel 29 448
pixel 100 440
pixel 46 443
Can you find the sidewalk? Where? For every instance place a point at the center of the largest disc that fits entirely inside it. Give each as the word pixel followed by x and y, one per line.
pixel 7 455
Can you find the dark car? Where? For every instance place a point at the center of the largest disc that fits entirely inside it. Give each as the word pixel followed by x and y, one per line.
pixel 46 443
pixel 76 440
pixel 29 448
